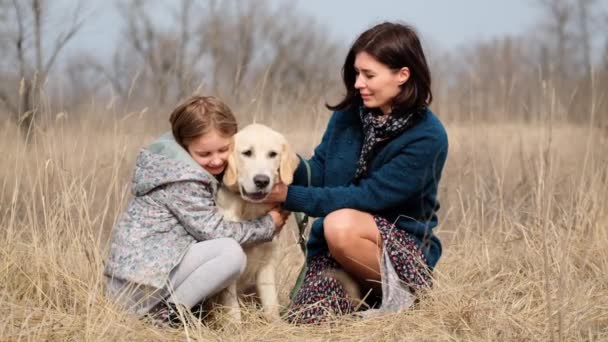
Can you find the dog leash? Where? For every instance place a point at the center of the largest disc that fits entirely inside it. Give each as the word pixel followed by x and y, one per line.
pixel 302 222
pixel 302 218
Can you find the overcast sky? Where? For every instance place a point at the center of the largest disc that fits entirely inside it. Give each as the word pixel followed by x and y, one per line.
pixel 446 24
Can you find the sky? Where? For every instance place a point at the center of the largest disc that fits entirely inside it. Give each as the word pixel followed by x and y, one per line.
pixel 448 23
pixel 444 23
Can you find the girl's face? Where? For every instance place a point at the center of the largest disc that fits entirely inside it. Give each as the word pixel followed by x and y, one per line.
pixel 211 151
pixel 377 83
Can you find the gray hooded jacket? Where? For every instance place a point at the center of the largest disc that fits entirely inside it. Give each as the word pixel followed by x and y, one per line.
pixel 173 207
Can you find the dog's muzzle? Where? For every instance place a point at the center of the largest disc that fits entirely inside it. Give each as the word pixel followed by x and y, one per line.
pixel 261 183
pixel 254 196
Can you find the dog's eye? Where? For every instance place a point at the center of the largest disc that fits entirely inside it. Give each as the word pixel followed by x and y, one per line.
pixel 247 153
pixel 272 154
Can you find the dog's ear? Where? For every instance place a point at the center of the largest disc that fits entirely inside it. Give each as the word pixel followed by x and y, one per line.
pixel 289 163
pixel 230 174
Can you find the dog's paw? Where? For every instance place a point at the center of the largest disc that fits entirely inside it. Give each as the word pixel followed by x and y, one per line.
pixel 272 316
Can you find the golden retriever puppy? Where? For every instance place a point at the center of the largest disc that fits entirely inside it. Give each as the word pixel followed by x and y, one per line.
pixel 261 157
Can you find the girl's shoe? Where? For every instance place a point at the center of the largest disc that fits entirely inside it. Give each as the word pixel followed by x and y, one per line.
pixel 166 314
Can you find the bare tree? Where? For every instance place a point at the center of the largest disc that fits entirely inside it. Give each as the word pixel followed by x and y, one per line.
pixel 485 78
pixel 4 4
pixel 230 47
pixel 557 26
pixel 239 24
pixel 573 27
pixel 168 55
pixel 33 57
pixel 84 80
pixel 272 46
pixel 118 72
pixel 584 17
pixel 4 51
pixel 603 79
pixel 604 58
pixel 588 25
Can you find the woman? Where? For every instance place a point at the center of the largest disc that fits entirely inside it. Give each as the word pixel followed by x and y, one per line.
pixel 374 179
pixel 172 246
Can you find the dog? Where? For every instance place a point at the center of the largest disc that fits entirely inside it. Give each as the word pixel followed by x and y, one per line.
pixel 260 158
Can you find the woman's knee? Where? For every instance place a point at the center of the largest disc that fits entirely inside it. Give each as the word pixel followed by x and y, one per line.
pixel 338 226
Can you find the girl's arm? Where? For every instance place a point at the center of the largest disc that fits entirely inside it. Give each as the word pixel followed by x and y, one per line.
pixel 192 204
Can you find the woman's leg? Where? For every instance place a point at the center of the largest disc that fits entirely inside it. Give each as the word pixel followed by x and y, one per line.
pixel 321 295
pixel 354 241
pixel 207 268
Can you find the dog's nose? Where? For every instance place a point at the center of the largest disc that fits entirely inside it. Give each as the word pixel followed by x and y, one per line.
pixel 261 181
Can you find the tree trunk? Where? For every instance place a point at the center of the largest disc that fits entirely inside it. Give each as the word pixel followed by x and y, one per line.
pixel 26 109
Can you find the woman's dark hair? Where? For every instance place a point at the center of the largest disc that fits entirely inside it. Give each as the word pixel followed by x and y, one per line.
pixel 396 46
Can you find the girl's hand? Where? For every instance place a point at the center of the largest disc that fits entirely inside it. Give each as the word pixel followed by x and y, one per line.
pixel 277 195
pixel 279 217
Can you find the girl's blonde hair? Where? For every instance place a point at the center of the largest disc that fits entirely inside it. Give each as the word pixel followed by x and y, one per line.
pixel 199 115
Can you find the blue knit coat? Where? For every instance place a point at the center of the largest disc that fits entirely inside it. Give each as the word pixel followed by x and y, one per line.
pixel 401 185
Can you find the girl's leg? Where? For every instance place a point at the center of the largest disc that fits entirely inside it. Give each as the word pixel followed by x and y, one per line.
pixel 354 241
pixel 207 268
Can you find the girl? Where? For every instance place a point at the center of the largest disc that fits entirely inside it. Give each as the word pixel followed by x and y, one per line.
pixel 172 246
pixel 374 180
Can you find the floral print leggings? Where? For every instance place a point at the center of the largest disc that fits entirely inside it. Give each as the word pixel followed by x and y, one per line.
pixel 321 296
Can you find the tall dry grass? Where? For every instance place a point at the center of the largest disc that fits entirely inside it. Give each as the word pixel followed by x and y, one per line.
pixel 524 223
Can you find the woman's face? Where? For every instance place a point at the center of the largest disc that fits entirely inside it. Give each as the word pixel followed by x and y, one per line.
pixel 210 151
pixel 377 83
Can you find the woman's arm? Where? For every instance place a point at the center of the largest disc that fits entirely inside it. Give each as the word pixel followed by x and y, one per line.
pixel 397 181
pixel 192 203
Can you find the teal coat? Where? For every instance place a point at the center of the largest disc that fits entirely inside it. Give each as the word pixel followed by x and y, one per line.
pixel 401 186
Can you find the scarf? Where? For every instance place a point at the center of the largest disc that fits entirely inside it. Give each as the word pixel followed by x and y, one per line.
pixel 376 131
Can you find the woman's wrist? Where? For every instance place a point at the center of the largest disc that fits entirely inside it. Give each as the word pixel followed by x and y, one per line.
pixel 284 192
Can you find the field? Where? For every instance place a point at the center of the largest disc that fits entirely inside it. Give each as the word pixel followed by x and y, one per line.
pixel 524 223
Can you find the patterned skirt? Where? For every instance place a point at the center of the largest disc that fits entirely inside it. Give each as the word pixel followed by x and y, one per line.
pixel 321 296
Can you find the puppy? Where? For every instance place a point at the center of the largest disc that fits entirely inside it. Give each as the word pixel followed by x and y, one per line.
pixel 260 158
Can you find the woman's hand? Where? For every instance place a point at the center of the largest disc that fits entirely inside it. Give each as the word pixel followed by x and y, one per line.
pixel 277 195
pixel 279 217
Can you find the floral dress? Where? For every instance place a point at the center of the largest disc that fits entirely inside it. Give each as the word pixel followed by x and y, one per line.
pixel 321 296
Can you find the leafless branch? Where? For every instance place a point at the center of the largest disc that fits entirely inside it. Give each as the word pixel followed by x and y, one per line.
pixel 61 43
pixel 7 103
pixel 37 11
pixel 114 81
pixel 19 39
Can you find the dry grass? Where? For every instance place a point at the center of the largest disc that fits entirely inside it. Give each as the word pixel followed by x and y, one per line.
pixel 524 224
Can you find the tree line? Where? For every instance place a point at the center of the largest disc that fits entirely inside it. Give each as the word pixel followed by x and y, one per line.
pixel 244 50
